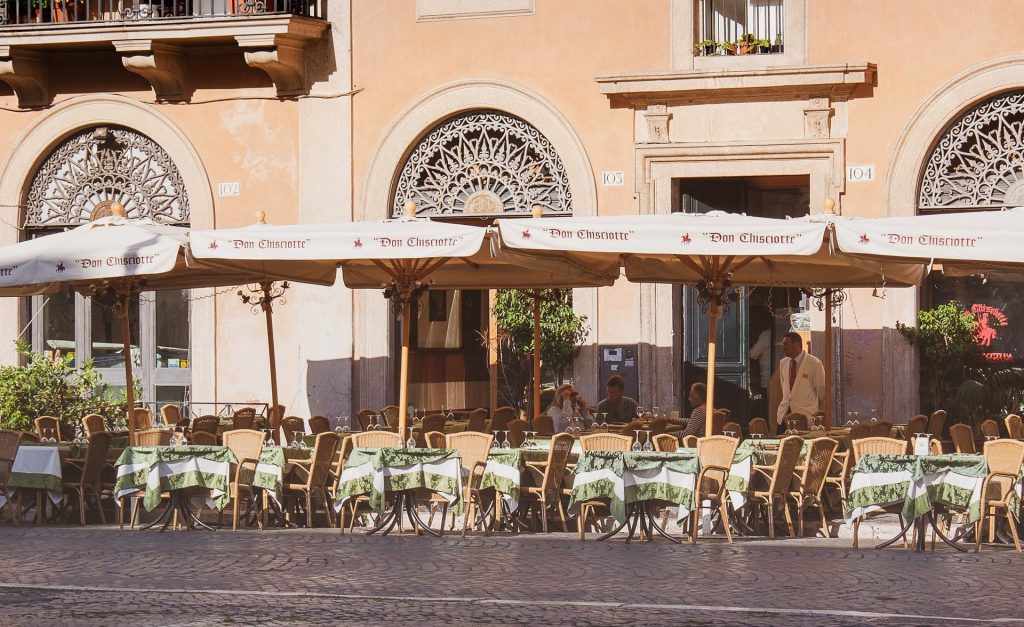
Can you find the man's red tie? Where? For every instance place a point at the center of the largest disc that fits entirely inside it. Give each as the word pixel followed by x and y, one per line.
pixel 792 373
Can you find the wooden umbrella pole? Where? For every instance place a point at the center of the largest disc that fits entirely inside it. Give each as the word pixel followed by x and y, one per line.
pixel 267 304
pixel 709 416
pixel 536 357
pixel 403 378
pixel 828 358
pixel 129 379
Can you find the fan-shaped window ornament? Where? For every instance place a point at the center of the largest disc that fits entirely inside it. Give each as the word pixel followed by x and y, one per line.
pixel 979 161
pixel 483 163
pixel 90 171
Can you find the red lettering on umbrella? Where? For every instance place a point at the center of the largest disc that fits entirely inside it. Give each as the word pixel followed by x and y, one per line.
pixel 864 238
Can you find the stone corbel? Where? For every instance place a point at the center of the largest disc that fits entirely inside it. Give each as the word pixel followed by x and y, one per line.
pixel 818 118
pixel 163 66
pixel 283 59
pixel 27 75
pixel 657 117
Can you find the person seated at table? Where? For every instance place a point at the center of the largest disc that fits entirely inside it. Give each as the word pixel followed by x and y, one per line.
pixel 698 400
pixel 619 408
pixel 566 404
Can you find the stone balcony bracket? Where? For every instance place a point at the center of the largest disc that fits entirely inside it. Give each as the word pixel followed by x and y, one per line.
pixel 282 58
pixel 26 73
pixel 162 65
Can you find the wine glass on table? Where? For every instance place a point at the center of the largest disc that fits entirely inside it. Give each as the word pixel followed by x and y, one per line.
pixel 506 444
pixel 637 447
pixel 648 445
pixel 495 443
pixel 411 442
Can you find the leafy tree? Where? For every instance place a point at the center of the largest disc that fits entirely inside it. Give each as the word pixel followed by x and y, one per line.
pixel 561 332
pixel 51 386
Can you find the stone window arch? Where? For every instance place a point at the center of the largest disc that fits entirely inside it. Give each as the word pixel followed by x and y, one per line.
pixel 482 163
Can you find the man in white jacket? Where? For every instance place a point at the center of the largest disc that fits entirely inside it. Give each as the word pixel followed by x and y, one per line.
pixel 803 379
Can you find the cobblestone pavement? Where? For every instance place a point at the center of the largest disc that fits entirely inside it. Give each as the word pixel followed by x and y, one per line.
pixel 105 576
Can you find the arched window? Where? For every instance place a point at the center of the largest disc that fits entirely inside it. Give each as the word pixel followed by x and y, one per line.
pixel 482 163
pixel 77 182
pixel 978 164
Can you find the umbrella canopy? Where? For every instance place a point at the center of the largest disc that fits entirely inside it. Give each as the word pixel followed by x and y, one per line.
pixel 715 251
pixel 404 257
pixel 115 255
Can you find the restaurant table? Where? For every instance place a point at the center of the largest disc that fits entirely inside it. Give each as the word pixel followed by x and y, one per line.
pixel 919 483
pixel 37 467
pixel 399 472
pixel 631 481
pixel 154 470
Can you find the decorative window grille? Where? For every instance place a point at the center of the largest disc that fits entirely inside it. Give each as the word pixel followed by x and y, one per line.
pixel 483 163
pixel 978 162
pixel 92 169
pixel 727 22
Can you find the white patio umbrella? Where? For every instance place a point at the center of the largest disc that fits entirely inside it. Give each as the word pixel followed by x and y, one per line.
pixel 121 257
pixel 403 257
pixel 713 251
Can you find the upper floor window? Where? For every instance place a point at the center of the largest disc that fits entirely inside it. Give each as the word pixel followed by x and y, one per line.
pixel 726 27
pixel 44 11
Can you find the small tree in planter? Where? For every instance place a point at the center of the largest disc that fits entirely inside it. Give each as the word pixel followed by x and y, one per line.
pixel 944 337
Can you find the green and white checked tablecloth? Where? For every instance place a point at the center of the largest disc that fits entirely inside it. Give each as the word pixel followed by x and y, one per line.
pixel 918 482
pixel 37 467
pixel 376 472
pixel 504 473
pixel 157 469
pixel 749 453
pixel 630 477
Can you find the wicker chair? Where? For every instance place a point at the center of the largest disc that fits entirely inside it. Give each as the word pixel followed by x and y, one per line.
pixel 203 438
pixel 779 477
pixel 547 489
pixel 936 423
pixel 43 423
pixel 171 414
pixel 875 446
pixel 917 424
pixel 89 479
pixel 660 426
pixel 1004 458
pixel 544 424
pixel 860 430
pixel 206 424
pixel 666 443
pixel 365 417
pixel 478 420
pixel 247 446
pixel 605 442
pixel 990 429
pixel 9 443
pixel 963 438
pixel 433 422
pixel 811 481
pixel 244 418
pixel 690 441
pixel 142 419
pixel 292 426
pixel 344 452
pixel 473 449
pixel 1014 429
pixel 503 416
pixel 153 437
pixel 319 424
pixel 436 439
pixel 880 429
pixel 516 432
pixel 758 426
pixel 719 418
pixel 368 439
pixel 316 475
pixel 93 423
pixel 734 428
pixel 801 420
pixel 715 455
pixel 390 414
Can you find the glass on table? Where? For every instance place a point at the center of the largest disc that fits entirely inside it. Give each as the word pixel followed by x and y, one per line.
pixel 495 443
pixel 506 444
pixel 648 445
pixel 411 442
pixel 637 447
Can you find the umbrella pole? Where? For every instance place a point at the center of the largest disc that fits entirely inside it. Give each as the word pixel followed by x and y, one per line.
pixel 536 357
pixel 129 379
pixel 709 416
pixel 268 313
pixel 403 377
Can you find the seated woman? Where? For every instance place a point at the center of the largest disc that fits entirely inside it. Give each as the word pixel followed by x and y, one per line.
pixel 566 404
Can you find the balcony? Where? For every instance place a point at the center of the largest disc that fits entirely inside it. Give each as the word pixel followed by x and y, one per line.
pixel 740 27
pixel 153 37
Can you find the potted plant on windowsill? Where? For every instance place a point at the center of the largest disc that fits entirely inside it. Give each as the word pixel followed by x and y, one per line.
pixel 777 45
pixel 746 44
pixel 727 47
pixel 706 47
pixel 764 46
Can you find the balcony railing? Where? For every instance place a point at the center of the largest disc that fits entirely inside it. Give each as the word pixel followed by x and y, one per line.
pixel 19 13
pixel 740 27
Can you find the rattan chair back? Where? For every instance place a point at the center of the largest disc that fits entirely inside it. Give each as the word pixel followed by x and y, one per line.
pixel 963 438
pixel 390 414
pixel 544 424
pixel 732 427
pixel 785 464
pixel 690 441
pixel 171 414
pixel 206 424
pixel 376 439
pixel 243 420
pixel 802 422
pixel 915 425
pixel 323 458
pixel 473 447
pixel 881 429
pixel 558 458
pixel 859 431
pixel 95 457
pixel 516 432
pixel 605 442
pixel 434 422
pixel 503 416
pixel 666 443
pixel 9 443
pixel 319 424
pixel 478 420
pixel 716 450
pixel 153 437
pixel 244 443
pixel 660 425
pixel 758 426
pixel 48 422
pixel 142 419
pixel 820 452
pixel 990 429
pixel 292 425
pixel 937 422
pixel 1014 429
pixel 93 423
pixel 204 438
pixel 718 419
pixel 365 417
pixel 436 439
pixel 1004 456
pixel 878 446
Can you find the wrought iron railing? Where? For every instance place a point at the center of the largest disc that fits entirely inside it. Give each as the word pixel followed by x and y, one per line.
pixel 19 13
pixel 728 27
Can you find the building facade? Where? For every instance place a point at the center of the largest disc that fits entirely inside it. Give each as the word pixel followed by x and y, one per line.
pixel 201 113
